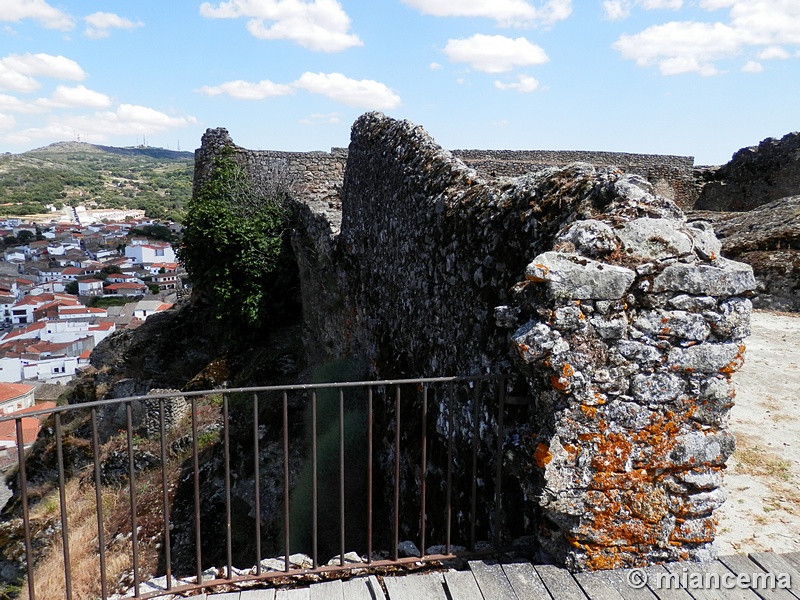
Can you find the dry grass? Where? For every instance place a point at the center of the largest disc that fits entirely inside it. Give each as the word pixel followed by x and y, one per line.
pixel 82 521
pixel 84 557
pixel 758 461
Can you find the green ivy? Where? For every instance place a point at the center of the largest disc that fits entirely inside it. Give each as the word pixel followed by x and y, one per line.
pixel 236 245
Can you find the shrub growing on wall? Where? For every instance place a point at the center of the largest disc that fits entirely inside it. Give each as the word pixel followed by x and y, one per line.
pixel 236 244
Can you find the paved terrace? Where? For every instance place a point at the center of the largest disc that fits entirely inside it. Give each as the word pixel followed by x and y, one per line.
pixel 525 581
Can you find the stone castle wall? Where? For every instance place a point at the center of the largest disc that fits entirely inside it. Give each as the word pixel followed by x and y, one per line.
pixel 671 176
pixel 618 318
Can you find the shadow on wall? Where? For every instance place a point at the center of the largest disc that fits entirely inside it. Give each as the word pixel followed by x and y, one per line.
pixel 349 412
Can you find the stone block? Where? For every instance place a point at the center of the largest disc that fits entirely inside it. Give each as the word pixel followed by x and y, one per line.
pixel 571 276
pixel 723 277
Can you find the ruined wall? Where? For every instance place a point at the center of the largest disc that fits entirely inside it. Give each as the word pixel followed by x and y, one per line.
pixel 671 176
pixel 619 319
pixel 754 176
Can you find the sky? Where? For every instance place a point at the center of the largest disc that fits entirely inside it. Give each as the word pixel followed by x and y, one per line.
pixel 701 78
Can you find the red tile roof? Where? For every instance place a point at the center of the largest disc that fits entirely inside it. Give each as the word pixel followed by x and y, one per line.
pixel 30 429
pixel 9 391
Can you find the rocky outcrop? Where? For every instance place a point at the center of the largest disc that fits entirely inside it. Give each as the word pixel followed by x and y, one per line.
pixel 768 239
pixel 754 176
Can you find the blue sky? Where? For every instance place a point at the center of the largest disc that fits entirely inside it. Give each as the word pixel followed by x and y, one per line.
pixel 691 77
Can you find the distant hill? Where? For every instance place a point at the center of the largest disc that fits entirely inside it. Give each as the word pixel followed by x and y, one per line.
pixel 156 180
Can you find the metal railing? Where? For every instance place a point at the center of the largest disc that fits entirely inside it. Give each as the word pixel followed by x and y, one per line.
pixel 425 438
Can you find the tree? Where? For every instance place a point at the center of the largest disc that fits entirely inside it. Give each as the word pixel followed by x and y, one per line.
pixel 71 288
pixel 236 243
pixel 25 236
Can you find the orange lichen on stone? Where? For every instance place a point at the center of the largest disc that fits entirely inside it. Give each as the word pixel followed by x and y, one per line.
pixel 542 456
pixel 589 411
pixel 572 451
pixel 736 363
pixel 543 268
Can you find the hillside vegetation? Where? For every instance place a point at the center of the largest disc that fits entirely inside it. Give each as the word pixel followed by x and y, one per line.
pixel 155 180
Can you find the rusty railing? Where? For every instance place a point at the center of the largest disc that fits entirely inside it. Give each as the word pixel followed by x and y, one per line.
pixel 432 447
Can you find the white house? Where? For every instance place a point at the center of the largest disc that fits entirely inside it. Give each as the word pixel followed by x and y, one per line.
pixel 145 308
pixel 147 254
pixel 90 287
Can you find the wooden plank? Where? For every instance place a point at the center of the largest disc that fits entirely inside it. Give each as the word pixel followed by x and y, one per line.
pixel 663 592
pixel 739 563
pixel 793 558
pixel 526 582
pixel 713 566
pixel 560 583
pixel 619 578
pixel 429 586
pixel 293 594
pixel 775 563
pixel 257 595
pixel 492 580
pixel 461 585
pixel 327 590
pixel 598 585
pixel 363 588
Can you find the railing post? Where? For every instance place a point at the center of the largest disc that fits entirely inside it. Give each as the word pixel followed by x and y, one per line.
pixel 424 469
pixel 286 481
pixel 257 483
pixel 26 521
pixel 101 534
pixel 62 496
pixel 196 470
pixel 162 430
pixel 396 473
pixel 226 447
pixel 132 489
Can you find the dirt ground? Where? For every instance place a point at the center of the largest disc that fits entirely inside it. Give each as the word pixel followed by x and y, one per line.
pixel 763 475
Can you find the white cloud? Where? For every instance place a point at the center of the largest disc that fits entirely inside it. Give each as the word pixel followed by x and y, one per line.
pixel 326 118
pixel 434 66
pixel 363 93
pixel 99 24
pixel 681 47
pixel 13 11
pixel 693 46
pixel 14 104
pixel 320 25
pixel 7 121
pixel 773 52
pixel 73 97
pixel 617 10
pixel 752 66
pixel 44 65
pixel 16 81
pixel 18 72
pixel 524 84
pixel 506 12
pixel 126 120
pixel 244 90
pixel 495 53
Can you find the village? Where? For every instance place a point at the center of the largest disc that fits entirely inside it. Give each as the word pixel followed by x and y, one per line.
pixel 64 287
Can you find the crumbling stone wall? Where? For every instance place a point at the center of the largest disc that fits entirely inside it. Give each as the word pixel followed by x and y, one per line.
pixel 754 176
pixel 175 410
pixel 671 176
pixel 618 318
